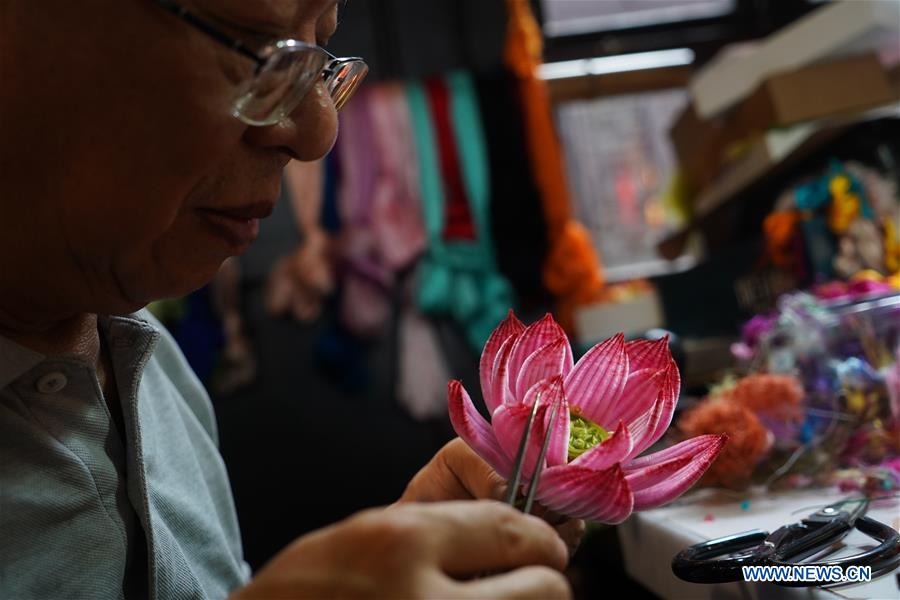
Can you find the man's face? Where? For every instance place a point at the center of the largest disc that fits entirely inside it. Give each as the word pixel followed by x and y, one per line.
pixel 121 162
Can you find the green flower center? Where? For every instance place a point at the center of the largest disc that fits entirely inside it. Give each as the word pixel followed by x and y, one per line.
pixel 584 435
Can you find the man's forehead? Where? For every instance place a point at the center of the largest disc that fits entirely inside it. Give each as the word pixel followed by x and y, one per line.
pixel 285 11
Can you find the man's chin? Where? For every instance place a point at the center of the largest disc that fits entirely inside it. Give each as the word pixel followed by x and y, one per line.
pixel 139 298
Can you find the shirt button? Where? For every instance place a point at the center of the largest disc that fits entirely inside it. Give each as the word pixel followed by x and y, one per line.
pixel 51 383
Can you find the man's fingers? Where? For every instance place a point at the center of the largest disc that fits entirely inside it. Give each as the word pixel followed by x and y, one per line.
pixel 455 473
pixel 527 582
pixel 471 537
pixel 571 531
pixel 553 518
pixel 475 476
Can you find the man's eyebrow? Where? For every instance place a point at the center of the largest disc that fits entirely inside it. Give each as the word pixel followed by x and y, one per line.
pixel 291 14
pixel 321 6
pixel 297 11
pixel 323 36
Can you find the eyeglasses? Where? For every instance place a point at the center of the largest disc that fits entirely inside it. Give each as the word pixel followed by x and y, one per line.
pixel 285 72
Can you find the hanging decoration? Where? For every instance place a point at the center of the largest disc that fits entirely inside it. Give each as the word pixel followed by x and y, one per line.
pixel 572 272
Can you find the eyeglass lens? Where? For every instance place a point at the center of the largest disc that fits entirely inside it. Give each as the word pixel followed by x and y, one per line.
pixel 344 81
pixel 287 77
pixel 278 86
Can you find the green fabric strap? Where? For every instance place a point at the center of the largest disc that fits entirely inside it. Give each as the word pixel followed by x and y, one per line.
pixel 458 278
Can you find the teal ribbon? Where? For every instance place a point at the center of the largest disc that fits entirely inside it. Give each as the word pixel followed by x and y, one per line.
pixel 817 194
pixel 458 278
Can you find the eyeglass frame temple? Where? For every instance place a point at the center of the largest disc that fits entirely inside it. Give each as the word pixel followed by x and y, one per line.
pixel 212 31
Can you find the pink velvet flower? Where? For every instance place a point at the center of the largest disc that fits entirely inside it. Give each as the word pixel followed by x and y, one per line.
pixel 616 402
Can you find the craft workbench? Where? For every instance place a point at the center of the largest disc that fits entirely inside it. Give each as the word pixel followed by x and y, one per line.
pixel 650 539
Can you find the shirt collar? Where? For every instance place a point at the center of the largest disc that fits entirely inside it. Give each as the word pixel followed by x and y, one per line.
pixel 16 360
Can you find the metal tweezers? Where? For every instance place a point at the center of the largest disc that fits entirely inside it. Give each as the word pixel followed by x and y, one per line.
pixel 516 476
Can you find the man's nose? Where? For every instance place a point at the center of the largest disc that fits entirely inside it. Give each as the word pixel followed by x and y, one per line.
pixel 308 132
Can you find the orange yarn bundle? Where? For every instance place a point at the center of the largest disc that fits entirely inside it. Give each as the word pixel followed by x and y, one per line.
pixel 748 440
pixel 572 271
pixel 779 229
pixel 778 396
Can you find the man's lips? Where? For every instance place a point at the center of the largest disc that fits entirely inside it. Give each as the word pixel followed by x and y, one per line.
pixel 258 210
pixel 239 225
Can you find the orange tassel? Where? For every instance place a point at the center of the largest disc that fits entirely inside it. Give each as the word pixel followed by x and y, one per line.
pixel 573 271
pixel 780 229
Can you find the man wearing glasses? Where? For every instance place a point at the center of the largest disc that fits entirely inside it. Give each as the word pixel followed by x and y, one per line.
pixel 140 143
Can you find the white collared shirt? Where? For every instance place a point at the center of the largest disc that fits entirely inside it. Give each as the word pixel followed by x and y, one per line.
pixel 74 501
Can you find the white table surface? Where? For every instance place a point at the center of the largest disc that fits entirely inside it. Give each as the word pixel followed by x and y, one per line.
pixel 650 539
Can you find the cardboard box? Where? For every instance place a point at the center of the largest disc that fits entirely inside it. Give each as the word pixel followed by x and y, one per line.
pixel 699 146
pixel 842 86
pixel 837 29
pixel 597 322
pixel 821 90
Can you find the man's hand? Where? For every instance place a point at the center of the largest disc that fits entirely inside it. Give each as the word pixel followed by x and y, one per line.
pixel 457 473
pixel 436 550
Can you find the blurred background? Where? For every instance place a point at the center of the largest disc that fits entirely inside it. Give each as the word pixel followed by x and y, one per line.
pixel 647 166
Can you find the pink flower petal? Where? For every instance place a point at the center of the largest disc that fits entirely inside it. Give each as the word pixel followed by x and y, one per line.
pixel 642 429
pixel 646 477
pixel 597 381
pixel 501 390
pixel 474 430
pixel 668 398
pixel 536 336
pixel 647 428
pixel 584 493
pixel 558 450
pixel 610 452
pixel 508 423
pixel 688 447
pixel 510 419
pixel 543 363
pixel 648 354
pixel 507 328
pixel 641 391
pixel 679 478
